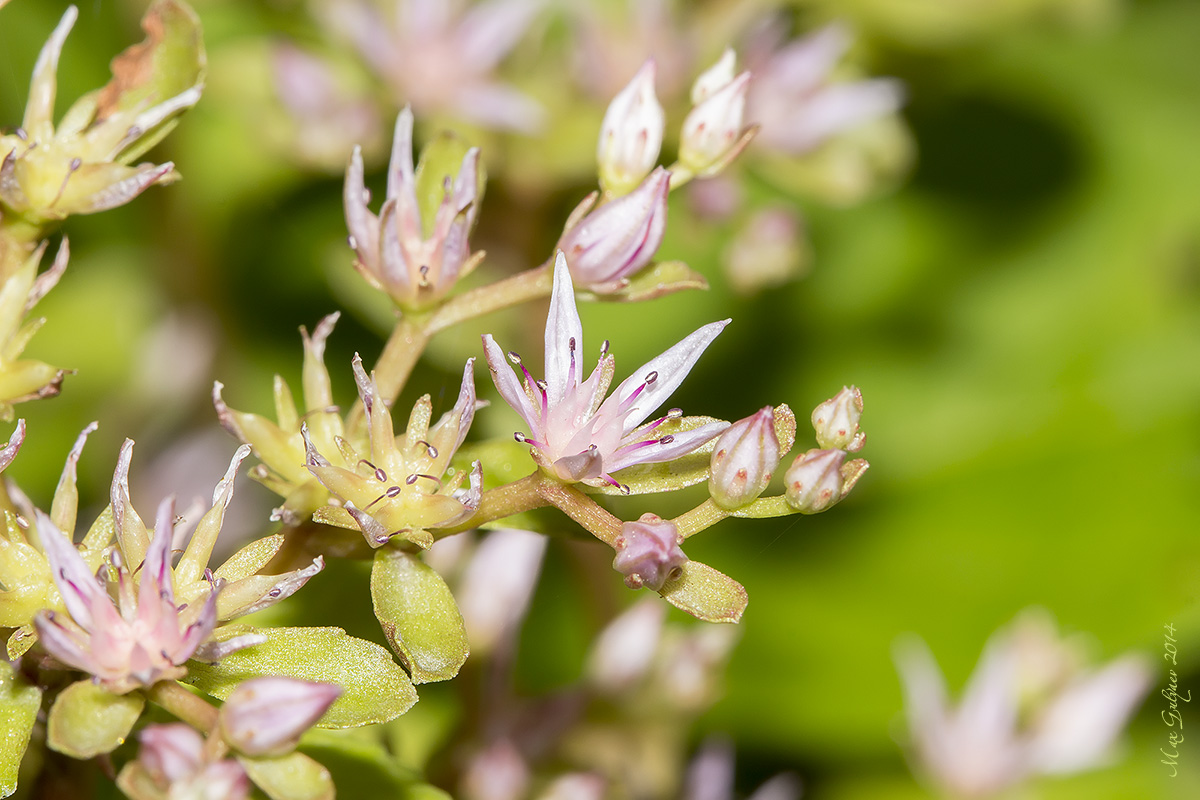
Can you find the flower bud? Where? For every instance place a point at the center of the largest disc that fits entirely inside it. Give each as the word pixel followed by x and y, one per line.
pixel 648 552
pixel 631 134
pixel 712 132
pixel 266 716
pixel 744 459
pixel 820 478
pixel 836 421
pixel 173 758
pixel 618 238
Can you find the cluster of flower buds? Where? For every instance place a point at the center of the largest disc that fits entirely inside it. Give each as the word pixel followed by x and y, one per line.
pixel 83 165
pixel 822 476
pixel 173 762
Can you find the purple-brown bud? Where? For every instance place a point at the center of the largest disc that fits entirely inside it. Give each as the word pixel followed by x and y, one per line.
pixel 619 238
pixel 836 421
pixel 631 135
pixel 266 716
pixel 744 459
pixel 820 478
pixel 648 552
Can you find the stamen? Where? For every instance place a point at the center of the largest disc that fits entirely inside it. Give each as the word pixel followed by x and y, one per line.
pixel 21 134
pixel 604 348
pixel 411 479
pixel 380 475
pixel 75 164
pixel 651 378
pixel 350 240
pixel 513 357
pixel 520 437
pixel 393 492
pixel 429 448
pixel 675 413
pixel 666 439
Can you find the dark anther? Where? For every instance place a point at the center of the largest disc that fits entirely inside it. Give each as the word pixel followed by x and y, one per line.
pixel 651 378
pixel 513 357
pixel 666 439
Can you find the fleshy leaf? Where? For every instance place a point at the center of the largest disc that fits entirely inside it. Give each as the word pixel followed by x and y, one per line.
pixel 706 594
pixel 87 719
pixel 669 475
pixel 19 704
pixel 418 615
pixel 441 159
pixel 658 279
pixel 376 688
pixel 291 777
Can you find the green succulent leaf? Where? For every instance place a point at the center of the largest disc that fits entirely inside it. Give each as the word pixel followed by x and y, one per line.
pixel 375 688
pixel 87 720
pixel 418 615
pixel 669 475
pixel 291 777
pixel 19 704
pixel 706 593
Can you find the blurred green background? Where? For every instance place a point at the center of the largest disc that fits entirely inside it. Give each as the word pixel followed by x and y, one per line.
pixel 1022 315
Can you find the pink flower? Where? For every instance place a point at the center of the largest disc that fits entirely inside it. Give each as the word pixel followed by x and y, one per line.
pixel 266 716
pixel 578 435
pixel 439 56
pixel 793 98
pixel 393 253
pixel 174 758
pixel 142 639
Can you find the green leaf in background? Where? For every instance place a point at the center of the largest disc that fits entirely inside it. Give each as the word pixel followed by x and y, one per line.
pixel 87 720
pixel 19 704
pixel 706 593
pixel 363 767
pixel 418 615
pixel 375 688
pixel 291 777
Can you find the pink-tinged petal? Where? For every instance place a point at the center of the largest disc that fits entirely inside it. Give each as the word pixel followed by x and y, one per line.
pixel 225 779
pixel 65 642
pixel 624 651
pixel 372 529
pixel 500 106
pixel 464 408
pixel 648 552
pixel 266 716
pixel 212 652
pixel 925 699
pixel 668 371
pixel 834 109
pixel 680 444
pixel 988 706
pixel 469 497
pixel 1079 729
pixel 507 383
pixel 171 752
pixel 806 64
pixel 199 630
pixel 393 269
pixel 582 466
pixel 39 109
pixel 13 446
pixel 312 457
pixel 401 179
pixel 564 336
pixel 621 237
pixel 155 574
pixel 362 224
pixel 99 187
pixel 491 29
pixel 497 585
pixel 84 597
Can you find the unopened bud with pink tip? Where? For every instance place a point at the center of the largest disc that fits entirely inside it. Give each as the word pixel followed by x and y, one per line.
pixel 648 552
pixel 836 421
pixel 616 240
pixel 712 133
pixel 744 459
pixel 818 479
pixel 266 716
pixel 631 135
pixel 173 763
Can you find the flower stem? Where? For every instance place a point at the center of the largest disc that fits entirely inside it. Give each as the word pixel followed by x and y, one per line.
pixel 520 288
pixel 583 509
pixel 400 354
pixel 702 516
pixel 500 502
pixel 189 707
